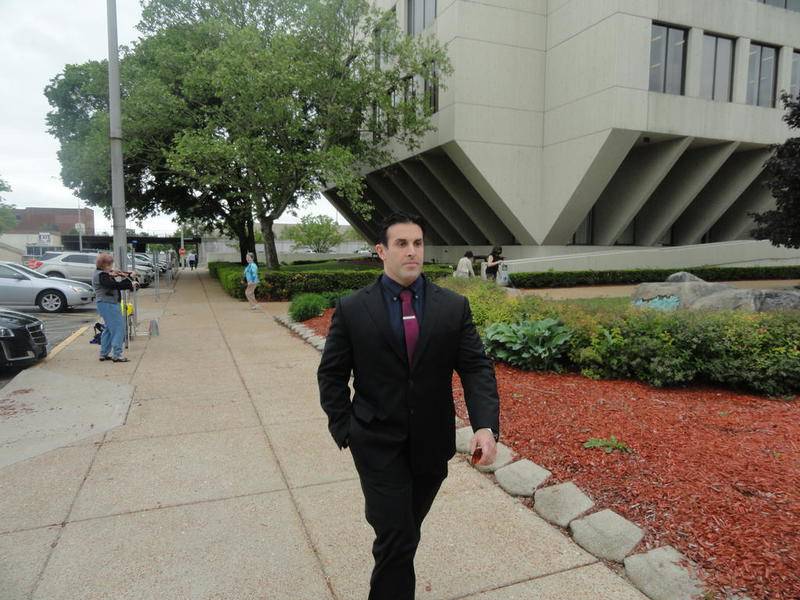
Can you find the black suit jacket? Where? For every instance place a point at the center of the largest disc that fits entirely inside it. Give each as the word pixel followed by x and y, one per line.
pixel 396 405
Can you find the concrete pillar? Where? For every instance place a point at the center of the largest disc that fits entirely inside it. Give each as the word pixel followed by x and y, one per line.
pixel 593 180
pixel 736 223
pixel 636 179
pixel 694 63
pixel 468 199
pixel 717 197
pixel 741 58
pixel 688 176
pixel 358 223
pixel 397 201
pixel 434 191
pixel 425 208
pixel 784 73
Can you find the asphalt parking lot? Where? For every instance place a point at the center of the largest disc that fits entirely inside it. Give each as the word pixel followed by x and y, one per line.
pixel 58 327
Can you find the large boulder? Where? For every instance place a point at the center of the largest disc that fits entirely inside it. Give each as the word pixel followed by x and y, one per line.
pixel 686 293
pixel 751 300
pixel 682 277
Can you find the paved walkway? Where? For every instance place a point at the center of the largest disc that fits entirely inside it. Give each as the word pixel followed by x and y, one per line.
pixel 224 483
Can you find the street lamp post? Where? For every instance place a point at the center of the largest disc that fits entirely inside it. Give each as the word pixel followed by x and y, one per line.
pixel 115 137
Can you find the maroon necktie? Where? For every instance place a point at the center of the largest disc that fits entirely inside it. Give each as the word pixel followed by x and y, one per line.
pixel 410 324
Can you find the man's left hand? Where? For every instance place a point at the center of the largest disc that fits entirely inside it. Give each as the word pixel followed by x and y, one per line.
pixel 484 439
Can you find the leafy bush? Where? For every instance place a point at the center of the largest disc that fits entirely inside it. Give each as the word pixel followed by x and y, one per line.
pixel 307 306
pixel 488 302
pixel 531 345
pixel 287 282
pixel 332 297
pixel 546 279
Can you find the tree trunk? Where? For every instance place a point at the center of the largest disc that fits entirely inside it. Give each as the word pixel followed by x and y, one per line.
pixel 251 238
pixel 269 242
pixel 240 231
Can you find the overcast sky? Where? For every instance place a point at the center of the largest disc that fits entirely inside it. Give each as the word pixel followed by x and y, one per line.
pixel 39 38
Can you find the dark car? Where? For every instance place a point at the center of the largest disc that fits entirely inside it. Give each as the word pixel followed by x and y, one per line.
pixel 22 339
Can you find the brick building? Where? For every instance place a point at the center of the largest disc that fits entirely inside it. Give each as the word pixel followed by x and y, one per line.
pixel 61 220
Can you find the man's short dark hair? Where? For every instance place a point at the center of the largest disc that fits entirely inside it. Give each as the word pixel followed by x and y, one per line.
pixel 394 219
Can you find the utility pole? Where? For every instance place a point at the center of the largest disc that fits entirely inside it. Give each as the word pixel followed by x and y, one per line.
pixel 115 137
pixel 80 227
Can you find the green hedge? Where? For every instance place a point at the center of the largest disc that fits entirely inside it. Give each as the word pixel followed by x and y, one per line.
pixel 307 306
pixel 286 283
pixel 758 352
pixel 547 279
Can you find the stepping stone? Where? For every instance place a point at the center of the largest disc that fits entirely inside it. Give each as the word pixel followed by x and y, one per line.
pixel 521 478
pixel 606 535
pixel 463 436
pixel 504 456
pixel 315 340
pixel 660 576
pixel 561 503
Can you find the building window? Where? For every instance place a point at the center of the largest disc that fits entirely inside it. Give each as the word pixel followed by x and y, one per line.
pixel 421 14
pixel 667 59
pixel 794 89
pixel 761 75
pixel 717 68
pixel 788 4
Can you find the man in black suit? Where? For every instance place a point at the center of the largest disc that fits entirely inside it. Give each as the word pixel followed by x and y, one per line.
pixel 401 338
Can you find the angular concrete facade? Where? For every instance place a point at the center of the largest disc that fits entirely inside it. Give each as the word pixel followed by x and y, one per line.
pixel 550 142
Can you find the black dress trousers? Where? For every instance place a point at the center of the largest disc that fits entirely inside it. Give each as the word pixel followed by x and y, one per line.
pixel 396 502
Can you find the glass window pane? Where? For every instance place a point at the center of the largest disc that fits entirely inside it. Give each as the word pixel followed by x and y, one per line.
pixel 419 15
pixel 766 83
pixel 676 45
pixel 795 87
pixel 707 74
pixel 753 65
pixel 658 55
pixel 778 3
pixel 793 5
pixel 723 69
pixel 430 12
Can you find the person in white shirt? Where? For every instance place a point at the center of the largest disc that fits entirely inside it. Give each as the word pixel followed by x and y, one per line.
pixel 464 267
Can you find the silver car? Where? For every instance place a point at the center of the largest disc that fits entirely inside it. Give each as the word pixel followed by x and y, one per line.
pixel 21 286
pixel 76 265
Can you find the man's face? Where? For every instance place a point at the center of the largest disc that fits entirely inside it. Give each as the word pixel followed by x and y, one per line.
pixel 402 257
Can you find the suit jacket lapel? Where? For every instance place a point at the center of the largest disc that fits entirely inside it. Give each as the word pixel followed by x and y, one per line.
pixel 429 317
pixel 376 307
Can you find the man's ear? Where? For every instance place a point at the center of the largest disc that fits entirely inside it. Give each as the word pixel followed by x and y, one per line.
pixel 380 250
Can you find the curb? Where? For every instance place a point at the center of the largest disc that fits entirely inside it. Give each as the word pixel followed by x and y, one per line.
pixel 64 343
pixel 661 574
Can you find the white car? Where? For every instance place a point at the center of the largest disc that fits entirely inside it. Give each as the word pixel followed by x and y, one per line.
pixel 76 265
pixel 21 286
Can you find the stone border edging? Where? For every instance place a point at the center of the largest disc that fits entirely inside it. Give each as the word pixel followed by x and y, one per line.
pixel 658 573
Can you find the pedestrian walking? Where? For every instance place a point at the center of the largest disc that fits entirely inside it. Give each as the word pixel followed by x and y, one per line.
pixel 401 338
pixel 464 268
pixel 250 278
pixel 107 284
pixel 493 262
pixel 192 261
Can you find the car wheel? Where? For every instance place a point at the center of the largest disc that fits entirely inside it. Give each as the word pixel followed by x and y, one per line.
pixel 55 274
pixel 52 301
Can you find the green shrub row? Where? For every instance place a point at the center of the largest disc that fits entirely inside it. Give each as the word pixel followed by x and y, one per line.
pixel 758 352
pixel 308 306
pixel 284 284
pixel 546 279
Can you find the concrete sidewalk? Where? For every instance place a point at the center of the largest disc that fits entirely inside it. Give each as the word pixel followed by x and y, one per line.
pixel 224 483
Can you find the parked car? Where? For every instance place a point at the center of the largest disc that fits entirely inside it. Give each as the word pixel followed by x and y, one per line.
pixel 22 339
pixel 21 286
pixel 76 265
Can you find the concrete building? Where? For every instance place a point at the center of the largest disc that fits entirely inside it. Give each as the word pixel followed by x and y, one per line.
pixel 597 133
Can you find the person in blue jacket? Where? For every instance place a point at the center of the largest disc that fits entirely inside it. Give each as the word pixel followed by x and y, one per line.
pixel 251 279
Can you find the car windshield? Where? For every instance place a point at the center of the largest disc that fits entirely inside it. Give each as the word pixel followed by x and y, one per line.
pixel 28 271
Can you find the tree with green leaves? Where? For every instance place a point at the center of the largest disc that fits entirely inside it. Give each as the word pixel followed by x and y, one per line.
pixel 782 225
pixel 8 218
pixel 319 233
pixel 235 111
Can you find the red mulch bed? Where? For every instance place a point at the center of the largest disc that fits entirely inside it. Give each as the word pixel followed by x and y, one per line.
pixel 714 473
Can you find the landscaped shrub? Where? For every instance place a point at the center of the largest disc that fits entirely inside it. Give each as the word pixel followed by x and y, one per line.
pixel 332 297
pixel 289 281
pixel 530 345
pixel 307 306
pixel 489 303
pixel 545 279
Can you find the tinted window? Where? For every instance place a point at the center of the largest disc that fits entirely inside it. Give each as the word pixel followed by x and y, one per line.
pixel 794 89
pixel 761 73
pixel 667 59
pixel 83 259
pixel 29 272
pixel 49 255
pixel 715 82
pixel 8 273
